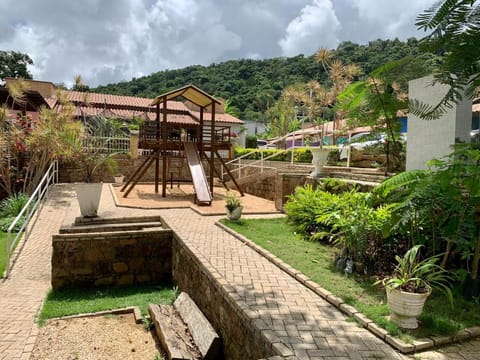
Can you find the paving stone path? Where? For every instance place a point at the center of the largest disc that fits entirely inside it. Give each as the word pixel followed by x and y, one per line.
pixel 301 324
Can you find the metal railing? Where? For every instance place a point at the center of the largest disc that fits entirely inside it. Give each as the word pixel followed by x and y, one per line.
pixel 237 165
pixel 107 145
pixel 28 211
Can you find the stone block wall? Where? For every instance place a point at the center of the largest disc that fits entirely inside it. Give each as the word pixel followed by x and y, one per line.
pixel 240 338
pixel 285 185
pixel 72 172
pixel 102 259
pixel 262 186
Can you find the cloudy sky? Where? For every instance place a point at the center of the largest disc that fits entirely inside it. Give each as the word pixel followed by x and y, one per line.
pixel 112 40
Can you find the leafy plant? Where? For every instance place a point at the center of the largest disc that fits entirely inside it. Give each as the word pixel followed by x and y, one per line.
pixel 7 221
pixel 413 274
pixel 232 201
pixel 12 205
pixel 439 207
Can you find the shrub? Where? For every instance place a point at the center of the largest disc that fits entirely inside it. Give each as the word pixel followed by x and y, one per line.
pixel 12 206
pixel 349 220
pixel 251 141
pixel 305 205
pixel 300 155
pixel 5 224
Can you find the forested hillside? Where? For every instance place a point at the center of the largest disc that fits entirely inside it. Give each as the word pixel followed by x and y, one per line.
pixel 245 81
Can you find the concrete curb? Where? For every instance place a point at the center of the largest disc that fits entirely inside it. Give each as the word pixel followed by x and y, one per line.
pixel 135 310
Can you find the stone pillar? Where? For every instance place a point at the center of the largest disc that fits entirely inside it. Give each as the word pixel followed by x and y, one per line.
pixel 429 139
pixel 134 144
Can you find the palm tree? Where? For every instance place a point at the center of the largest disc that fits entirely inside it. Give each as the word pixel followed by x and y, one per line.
pixel 454 33
pixel 340 76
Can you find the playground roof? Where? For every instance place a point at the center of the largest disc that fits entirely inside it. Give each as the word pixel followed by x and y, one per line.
pixel 189 92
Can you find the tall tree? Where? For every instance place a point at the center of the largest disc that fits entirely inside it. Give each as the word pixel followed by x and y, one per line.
pixel 340 76
pixel 14 64
pixel 454 27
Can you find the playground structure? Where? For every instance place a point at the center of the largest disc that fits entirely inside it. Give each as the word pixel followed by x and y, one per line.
pixel 179 134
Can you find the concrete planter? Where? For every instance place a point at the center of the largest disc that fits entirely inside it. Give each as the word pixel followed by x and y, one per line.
pixel 88 196
pixel 319 159
pixel 405 307
pixel 235 214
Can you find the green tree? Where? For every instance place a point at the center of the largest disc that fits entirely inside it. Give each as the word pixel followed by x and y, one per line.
pixel 454 34
pixel 14 64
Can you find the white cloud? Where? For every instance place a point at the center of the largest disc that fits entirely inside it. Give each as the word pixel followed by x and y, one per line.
pixel 316 26
pixel 112 40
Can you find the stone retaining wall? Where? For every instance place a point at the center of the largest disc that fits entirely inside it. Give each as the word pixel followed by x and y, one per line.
pixel 101 259
pixel 241 339
pixel 72 172
pixel 285 185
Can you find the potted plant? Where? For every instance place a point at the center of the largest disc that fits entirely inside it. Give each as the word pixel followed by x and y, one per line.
pixel 89 192
pixel 411 283
pixel 118 178
pixel 90 154
pixel 233 205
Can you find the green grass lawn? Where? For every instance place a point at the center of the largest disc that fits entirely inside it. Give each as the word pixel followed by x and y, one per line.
pixel 3 252
pixel 316 261
pixel 79 301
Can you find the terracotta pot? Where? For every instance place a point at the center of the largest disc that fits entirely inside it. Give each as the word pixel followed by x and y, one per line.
pixel 405 307
pixel 88 196
pixel 235 214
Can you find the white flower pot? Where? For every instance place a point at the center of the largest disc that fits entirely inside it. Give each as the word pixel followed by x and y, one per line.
pixel 405 307
pixel 319 159
pixel 88 196
pixel 118 179
pixel 235 214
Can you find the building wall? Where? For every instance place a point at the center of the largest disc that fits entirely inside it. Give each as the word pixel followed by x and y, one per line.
pixel 433 139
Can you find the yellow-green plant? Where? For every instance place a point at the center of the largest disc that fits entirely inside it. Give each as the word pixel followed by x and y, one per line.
pixel 232 201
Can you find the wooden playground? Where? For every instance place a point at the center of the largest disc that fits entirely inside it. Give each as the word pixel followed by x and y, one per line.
pixel 176 134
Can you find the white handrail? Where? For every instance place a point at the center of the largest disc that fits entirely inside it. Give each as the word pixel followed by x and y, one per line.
pixel 50 177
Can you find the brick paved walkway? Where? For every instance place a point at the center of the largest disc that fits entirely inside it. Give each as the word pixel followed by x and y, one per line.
pixel 300 322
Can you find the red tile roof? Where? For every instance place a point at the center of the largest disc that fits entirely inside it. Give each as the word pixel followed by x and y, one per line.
pixel 219 117
pixel 91 104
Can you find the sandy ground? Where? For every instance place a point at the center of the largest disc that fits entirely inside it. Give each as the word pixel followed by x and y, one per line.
pixel 96 338
pixel 143 196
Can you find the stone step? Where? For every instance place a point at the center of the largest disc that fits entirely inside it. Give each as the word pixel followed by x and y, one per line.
pixel 120 220
pixel 203 333
pixel 170 332
pixel 183 330
pixel 109 227
pixel 360 177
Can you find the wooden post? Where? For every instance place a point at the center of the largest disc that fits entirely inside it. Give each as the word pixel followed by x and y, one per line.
pixel 212 148
pixel 157 153
pixel 200 145
pixel 164 144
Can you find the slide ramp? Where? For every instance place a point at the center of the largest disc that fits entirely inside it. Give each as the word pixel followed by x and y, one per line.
pixel 199 178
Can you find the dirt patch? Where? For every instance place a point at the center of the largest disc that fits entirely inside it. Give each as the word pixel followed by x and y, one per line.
pixel 99 337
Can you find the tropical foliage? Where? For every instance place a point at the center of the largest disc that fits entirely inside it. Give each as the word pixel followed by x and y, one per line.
pixel 31 146
pixel 253 85
pixel 377 102
pixel 417 275
pixel 453 27
pixel 439 208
